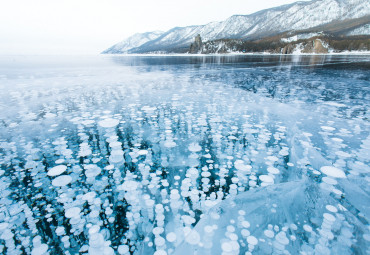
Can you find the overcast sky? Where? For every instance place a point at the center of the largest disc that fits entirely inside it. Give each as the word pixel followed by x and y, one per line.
pixel 90 26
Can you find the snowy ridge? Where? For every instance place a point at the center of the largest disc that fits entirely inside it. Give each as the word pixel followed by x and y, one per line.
pixel 296 16
pixel 133 41
pixel 299 37
pixel 363 30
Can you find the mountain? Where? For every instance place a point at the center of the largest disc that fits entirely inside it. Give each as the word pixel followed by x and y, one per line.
pixel 262 24
pixel 133 42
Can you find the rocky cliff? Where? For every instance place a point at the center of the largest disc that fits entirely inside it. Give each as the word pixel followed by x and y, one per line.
pixel 196 46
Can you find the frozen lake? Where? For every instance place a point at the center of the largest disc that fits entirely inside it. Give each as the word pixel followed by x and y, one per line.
pixel 185 154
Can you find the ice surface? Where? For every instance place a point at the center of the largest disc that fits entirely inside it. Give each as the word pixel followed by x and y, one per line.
pixel 269 156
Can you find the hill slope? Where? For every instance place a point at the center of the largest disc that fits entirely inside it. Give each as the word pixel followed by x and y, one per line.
pixel 262 24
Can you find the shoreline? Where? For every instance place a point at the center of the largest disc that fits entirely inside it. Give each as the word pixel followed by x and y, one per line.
pixel 236 54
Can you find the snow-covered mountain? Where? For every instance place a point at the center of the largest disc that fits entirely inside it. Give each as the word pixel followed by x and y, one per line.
pixel 363 30
pixel 133 42
pixel 296 16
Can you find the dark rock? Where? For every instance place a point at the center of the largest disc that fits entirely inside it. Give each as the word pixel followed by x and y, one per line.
pixel 196 46
pixel 288 49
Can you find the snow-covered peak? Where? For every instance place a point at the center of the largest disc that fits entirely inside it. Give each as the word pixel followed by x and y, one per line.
pixel 290 17
pixel 133 41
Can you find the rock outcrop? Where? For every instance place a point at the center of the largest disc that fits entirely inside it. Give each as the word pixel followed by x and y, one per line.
pixel 196 46
pixel 315 46
pixel 288 49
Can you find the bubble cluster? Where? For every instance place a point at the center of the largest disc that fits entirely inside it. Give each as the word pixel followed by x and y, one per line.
pixel 129 160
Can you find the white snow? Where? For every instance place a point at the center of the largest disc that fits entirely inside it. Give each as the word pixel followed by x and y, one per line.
pixel 363 30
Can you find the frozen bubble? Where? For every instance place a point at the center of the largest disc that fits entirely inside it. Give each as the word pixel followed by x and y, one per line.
pixel 158 230
pixel 326 233
pixel 284 152
pixel 266 178
pixel 60 231
pixel 169 144
pixel 281 238
pixel 109 167
pixel 329 180
pixel 193 237
pixel 272 158
pixel 366 237
pixel 108 251
pixel 89 195
pixel 159 241
pixel 293 226
pixel 62 180
pixel 239 164
pixel 7 234
pixel 73 212
pixel 129 186
pixel 328 129
pixel 92 171
pixel 174 195
pixel 115 144
pixel 337 191
pixel 333 171
pixel 57 170
pixel 108 123
pixel 87 122
pixel 307 228
pixel 226 247
pixel 245 232
pixel 59 161
pixel 329 217
pixel 65 239
pixel 149 202
pixel 331 208
pixel 3 225
pixel 188 219
pixel 116 156
pixel 142 152
pixel 252 240
pixel 336 139
pixel 273 170
pixel 40 250
pixel 160 252
pixel 194 147
pixel 94 229
pixel 230 228
pixel 123 249
pixel 233 236
pixel 171 237
pixel 269 233
pixel 343 154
